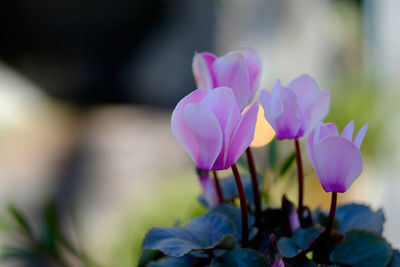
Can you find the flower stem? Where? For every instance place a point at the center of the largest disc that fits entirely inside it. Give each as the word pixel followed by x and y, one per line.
pixel 301 179
pixel 243 206
pixel 255 187
pixel 331 218
pixel 219 189
pixel 325 245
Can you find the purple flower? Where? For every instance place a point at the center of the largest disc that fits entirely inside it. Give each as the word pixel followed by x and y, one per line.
pixel 211 128
pixel 336 158
pixel 295 110
pixel 239 69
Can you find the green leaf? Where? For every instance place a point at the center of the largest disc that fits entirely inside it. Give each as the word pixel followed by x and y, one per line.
pixel 184 261
pixel 362 249
pixel 360 216
pixel 202 233
pixel 395 260
pixel 148 256
pixel 304 237
pixel 51 228
pixel 234 214
pixel 240 258
pixel 17 253
pixel 287 164
pixel 301 240
pixel 21 221
pixel 273 153
pixel 288 247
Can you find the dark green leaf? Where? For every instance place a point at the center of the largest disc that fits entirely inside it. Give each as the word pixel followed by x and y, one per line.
pixel 148 256
pixel 17 253
pixel 287 164
pixel 359 216
pixel 395 260
pixel 184 261
pixel 51 228
pixel 300 262
pixel 288 247
pixel 301 240
pixel 233 213
pixel 362 249
pixel 205 232
pixel 304 237
pixel 240 258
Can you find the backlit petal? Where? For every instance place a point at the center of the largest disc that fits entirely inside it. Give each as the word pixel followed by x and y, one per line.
pixel 231 71
pixel 207 135
pixel 243 135
pixel 360 136
pixel 179 127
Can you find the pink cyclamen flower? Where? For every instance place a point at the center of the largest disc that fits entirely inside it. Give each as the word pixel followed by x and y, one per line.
pixel 295 110
pixel 336 158
pixel 211 128
pixel 239 69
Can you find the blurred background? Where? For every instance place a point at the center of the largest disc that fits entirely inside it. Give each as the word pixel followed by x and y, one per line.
pixel 87 89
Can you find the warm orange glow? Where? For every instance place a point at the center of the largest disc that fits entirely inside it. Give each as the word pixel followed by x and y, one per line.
pixel 264 132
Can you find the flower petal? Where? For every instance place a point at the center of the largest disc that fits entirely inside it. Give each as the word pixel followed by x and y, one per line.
pixel 348 131
pixel 360 136
pixel 202 69
pixel 307 91
pixel 288 123
pixel 231 71
pixel 207 135
pixel 179 127
pixel 341 163
pixel 221 101
pixel 254 67
pixel 243 135
pixel 319 110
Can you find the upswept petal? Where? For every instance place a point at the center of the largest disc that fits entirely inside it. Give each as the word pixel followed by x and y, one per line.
pixel 348 131
pixel 360 136
pixel 207 135
pixel 341 163
pixel 328 129
pixel 243 134
pixel 254 67
pixel 272 103
pixel 307 91
pixel 319 110
pixel 288 123
pixel 221 101
pixel 179 127
pixel 202 69
pixel 231 71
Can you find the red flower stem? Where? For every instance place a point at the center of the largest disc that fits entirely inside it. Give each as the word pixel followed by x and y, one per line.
pixel 255 187
pixel 219 189
pixel 331 218
pixel 243 206
pixel 299 164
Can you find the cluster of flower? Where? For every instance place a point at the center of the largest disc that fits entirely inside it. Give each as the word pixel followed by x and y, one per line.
pixel 216 124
